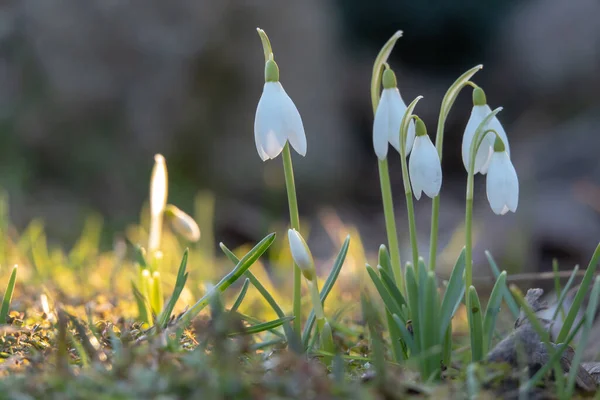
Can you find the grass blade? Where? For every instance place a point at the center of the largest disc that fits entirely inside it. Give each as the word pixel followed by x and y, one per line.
pixel 240 298
pixel 387 298
pixel 406 335
pixel 267 296
pixel 262 327
pixel 508 298
pixel 384 260
pixel 390 285
pixel 475 325
pixel 378 353
pixel 10 288
pixel 412 291
pixel 242 266
pixel 182 275
pixel 454 293
pixel 583 290
pixel 492 310
pixel 590 314
pixel 327 286
pixel 563 294
pixel 145 314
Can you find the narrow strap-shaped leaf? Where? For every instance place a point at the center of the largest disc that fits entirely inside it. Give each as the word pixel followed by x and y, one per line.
pixel 475 325
pixel 412 291
pixel 240 297
pixel 492 310
pixel 390 285
pixel 406 335
pixel 265 326
pixel 581 293
pixel 327 286
pixel 242 266
pixel 10 288
pixel 182 275
pixel 388 300
pixel 454 293
pixel 289 332
pixel 564 292
pixel 590 314
pixel 508 298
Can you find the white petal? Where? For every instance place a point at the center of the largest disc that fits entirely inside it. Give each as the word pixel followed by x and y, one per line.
pixel 497 126
pixel 478 113
pixel 381 126
pixel 502 185
pixel 269 122
pixel 425 168
pixel 397 110
pixel 294 129
pixel 300 251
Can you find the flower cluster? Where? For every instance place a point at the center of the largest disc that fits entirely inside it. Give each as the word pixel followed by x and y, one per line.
pixel 492 157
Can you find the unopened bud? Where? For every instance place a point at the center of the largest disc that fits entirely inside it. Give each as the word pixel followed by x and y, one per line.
pixel 182 223
pixel 301 254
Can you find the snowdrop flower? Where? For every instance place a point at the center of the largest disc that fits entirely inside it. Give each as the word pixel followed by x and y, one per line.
pixel 484 153
pixel 301 254
pixel 388 116
pixel 158 201
pixel 424 166
pixel 182 223
pixel 277 119
pixel 502 182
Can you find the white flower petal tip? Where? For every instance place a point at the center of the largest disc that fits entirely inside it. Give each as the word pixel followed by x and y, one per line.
pixel 484 153
pixel 425 168
pixel 502 185
pixel 301 253
pixel 158 186
pixel 277 121
pixel 386 125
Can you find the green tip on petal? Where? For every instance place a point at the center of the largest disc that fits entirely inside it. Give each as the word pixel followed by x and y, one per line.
pixel 479 98
pixel 389 79
pixel 499 145
pixel 420 129
pixel 271 71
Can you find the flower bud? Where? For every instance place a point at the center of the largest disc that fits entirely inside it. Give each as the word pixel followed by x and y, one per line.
pixel 301 254
pixel 182 223
pixel 158 186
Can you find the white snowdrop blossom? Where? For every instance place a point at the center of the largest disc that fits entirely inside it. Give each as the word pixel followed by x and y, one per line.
pixel 388 117
pixel 277 119
pixel 424 166
pixel 484 153
pixel 301 254
pixel 502 184
pixel 182 223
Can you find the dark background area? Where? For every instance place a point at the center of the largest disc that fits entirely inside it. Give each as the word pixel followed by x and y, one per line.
pixel 91 90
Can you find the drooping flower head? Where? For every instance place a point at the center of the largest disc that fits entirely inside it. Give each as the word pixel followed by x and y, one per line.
pixel 301 254
pixel 484 153
pixel 277 119
pixel 502 184
pixel 424 166
pixel 388 116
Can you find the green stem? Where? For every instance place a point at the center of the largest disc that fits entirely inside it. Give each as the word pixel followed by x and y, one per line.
pixel 410 209
pixel 295 223
pixel 384 174
pixel 412 227
pixel 390 222
pixel 316 300
pixel 447 102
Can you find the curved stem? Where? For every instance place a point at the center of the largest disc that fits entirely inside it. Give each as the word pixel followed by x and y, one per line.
pixel 447 102
pixel 412 227
pixel 480 134
pixel 384 174
pixel 295 223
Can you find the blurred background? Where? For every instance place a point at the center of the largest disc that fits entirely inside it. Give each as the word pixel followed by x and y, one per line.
pixel 91 90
